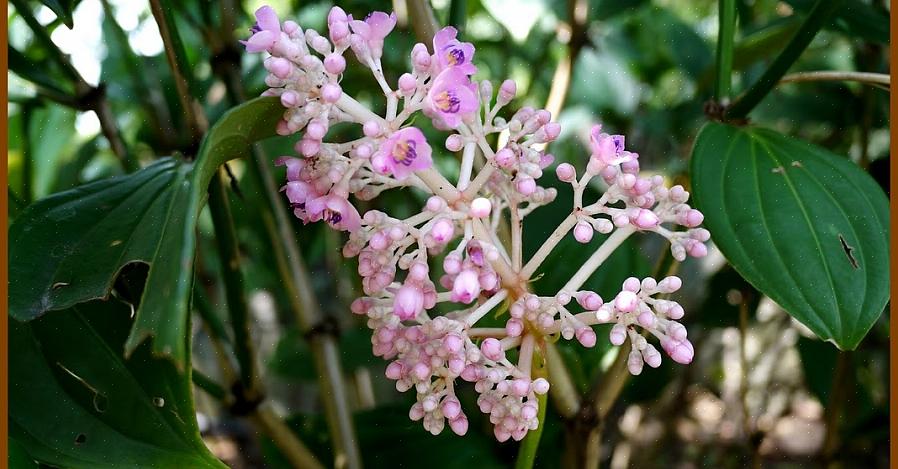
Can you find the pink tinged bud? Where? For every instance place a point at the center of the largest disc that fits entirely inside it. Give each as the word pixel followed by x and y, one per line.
pixel 587 337
pixel 416 412
pixel 634 363
pixel 421 371
pixel 680 351
pixel 466 287
pixel 452 264
pixel 646 219
pixel 507 91
pixel 442 231
pixel 501 435
pixel 453 343
pixel 454 142
pixel 289 99
pixel 290 27
pixel 409 301
pixel 331 93
pixel 632 284
pixel 316 130
pixel 309 147
pixel 505 158
pixel 583 232
pixel 646 319
pixel 451 408
pixel 492 349
pixel 532 302
pixel 418 271
pixel 338 31
pixel 546 160
pixel 282 128
pixel 394 370
pixel 626 301
pixel 488 281
pixel 528 412
pixel 642 186
pixel 334 64
pixel 651 356
pixel 618 334
pixel 540 386
pixel 675 311
pixel 514 327
pixel 697 250
pixel 676 331
pixel 456 366
pixel 435 203
pixel 525 185
pixel 589 300
pixel 459 425
pixel 371 129
pixel 631 167
pixel 552 130
pixel 621 220
pixel 360 306
pixel 336 15
pixel 420 57
pixel 670 284
pixel 480 207
pixel 280 67
pixel 566 172
pixel 407 83
pixel 520 387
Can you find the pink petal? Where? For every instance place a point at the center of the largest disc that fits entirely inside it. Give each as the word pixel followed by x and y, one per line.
pixel 268 19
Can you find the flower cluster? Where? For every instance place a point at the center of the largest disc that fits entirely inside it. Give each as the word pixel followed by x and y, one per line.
pixel 402 280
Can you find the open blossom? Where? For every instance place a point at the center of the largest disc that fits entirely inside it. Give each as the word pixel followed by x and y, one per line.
pixel 449 52
pixel 266 31
pixel 609 149
pixel 405 152
pixel 452 97
pixel 372 31
pixel 432 350
pixel 336 211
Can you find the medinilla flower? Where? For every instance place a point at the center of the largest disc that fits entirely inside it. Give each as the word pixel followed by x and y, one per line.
pixel 403 153
pixel 609 149
pixel 336 211
pixel 450 52
pixel 266 31
pixel 452 97
pixel 372 31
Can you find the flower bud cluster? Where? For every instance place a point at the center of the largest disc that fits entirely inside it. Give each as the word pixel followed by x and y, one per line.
pixel 403 280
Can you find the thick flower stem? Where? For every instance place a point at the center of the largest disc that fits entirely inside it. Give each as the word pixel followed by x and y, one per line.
pixel 560 232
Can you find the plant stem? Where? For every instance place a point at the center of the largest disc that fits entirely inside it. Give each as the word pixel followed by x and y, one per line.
pixel 815 20
pixel 561 80
pixel 422 20
pixel 293 449
pixel 562 390
pixel 842 386
pixel 177 62
pixel 548 245
pixel 229 257
pixel 866 78
pixel 725 37
pixel 529 446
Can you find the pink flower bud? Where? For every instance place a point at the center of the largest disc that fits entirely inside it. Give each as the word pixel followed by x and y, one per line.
pixel 651 356
pixel 371 129
pixel 626 301
pixel 505 158
pixel 618 334
pixel 454 142
pixel 409 301
pixel 552 130
pixel 466 287
pixel 646 319
pixel 583 232
pixel 452 263
pixel 670 284
pixel 507 91
pixel 309 147
pixel 566 172
pixel 394 370
pixel 525 185
pixel 540 386
pixel 680 351
pixel 459 425
pixel 587 337
pixel 421 371
pixel 331 92
pixel 529 412
pixel 289 99
pixel 279 67
pixel 420 57
pixel 646 219
pixel 514 327
pixel 492 349
pixel 334 64
pixel 632 284
pixel 589 300
pixel 451 408
pixel 407 83
pixel 634 363
pixel 480 207
pixel 316 130
pixel 453 343
pixel 442 231
pixel 697 250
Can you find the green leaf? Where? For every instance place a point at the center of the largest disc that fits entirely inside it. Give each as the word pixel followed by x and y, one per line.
pixel 71 246
pixel 857 19
pixel 805 226
pixel 76 402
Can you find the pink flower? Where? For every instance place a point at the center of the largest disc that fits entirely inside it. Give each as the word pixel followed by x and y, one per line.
pixel 450 52
pixel 608 149
pixel 373 30
pixel 451 97
pixel 409 301
pixel 405 152
pixel 336 211
pixel 266 31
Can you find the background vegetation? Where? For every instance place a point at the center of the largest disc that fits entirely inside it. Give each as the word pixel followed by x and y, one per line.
pixel 282 372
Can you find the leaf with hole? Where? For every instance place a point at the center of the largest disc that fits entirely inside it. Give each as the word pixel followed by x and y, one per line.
pixel 76 402
pixel 806 227
pixel 71 246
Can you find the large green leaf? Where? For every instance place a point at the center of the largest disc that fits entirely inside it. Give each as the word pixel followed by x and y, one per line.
pixel 70 246
pixel 803 225
pixel 76 402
